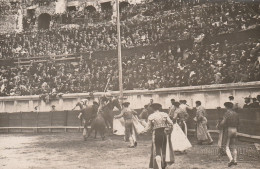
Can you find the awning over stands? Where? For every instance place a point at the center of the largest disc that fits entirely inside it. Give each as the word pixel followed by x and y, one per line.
pixel 32 7
pixel 73 3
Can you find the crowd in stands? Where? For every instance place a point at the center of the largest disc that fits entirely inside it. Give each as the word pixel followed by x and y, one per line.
pixel 143 25
pixel 85 16
pixel 9 7
pixel 175 67
pixel 178 23
pixel 41 2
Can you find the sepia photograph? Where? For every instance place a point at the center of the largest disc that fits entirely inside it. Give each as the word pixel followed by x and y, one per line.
pixel 129 84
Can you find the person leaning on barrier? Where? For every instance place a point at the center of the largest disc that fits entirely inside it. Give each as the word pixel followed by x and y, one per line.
pixel 247 103
pixel 53 108
pixel 230 122
pixel 255 104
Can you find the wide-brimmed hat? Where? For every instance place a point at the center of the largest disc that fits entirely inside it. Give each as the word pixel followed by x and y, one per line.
pixel 177 104
pixel 231 97
pixel 228 105
pixel 126 104
pixel 156 106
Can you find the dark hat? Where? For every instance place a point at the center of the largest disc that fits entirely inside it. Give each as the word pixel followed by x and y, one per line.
pixel 231 97
pixel 156 106
pixel 104 98
pixel 126 104
pixel 176 104
pixel 198 103
pixel 258 97
pixel 228 105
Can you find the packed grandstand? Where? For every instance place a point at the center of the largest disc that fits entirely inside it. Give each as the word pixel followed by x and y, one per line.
pixel 168 43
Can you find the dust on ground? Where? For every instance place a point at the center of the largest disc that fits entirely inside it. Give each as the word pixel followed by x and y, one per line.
pixel 68 150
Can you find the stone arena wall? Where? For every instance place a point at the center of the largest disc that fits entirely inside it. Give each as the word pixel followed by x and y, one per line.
pixel 7 23
pixel 211 96
pixel 17 113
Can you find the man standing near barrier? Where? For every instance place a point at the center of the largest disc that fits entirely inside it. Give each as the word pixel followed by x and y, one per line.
pixel 235 104
pixel 201 127
pixel 144 114
pixel 128 113
pixel 230 122
pixel 222 135
pixel 172 108
pixel 181 116
pixel 184 106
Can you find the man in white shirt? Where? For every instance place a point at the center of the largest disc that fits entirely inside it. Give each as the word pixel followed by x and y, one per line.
pixel 235 104
pixel 184 106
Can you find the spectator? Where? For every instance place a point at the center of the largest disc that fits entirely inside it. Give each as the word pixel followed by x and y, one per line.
pixel 247 103
pixel 255 104
pixel 174 66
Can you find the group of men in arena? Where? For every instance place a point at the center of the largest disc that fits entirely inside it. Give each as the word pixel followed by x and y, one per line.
pixel 254 104
pixel 178 113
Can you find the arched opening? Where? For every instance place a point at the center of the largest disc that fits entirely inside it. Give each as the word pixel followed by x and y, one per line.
pixel 107 10
pixel 71 8
pixel 106 6
pixel 90 12
pixel 123 5
pixel 44 21
pixel 30 13
pixel 90 9
pixel 29 20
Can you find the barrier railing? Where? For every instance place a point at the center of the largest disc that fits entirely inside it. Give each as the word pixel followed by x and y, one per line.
pixel 40 59
pixel 46 121
pixel 211 96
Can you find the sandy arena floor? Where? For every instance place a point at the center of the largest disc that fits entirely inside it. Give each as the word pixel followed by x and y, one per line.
pixel 68 150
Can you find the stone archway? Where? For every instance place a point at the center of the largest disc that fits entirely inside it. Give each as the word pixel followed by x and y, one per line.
pixel 106 6
pixel 123 5
pixel 44 21
pixel 90 9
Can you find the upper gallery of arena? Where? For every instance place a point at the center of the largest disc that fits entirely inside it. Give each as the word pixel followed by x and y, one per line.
pixel 163 40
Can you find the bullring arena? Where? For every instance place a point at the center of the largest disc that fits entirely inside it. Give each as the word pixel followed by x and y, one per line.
pixel 66 68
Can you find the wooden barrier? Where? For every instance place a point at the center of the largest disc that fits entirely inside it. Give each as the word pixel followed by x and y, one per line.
pixel 57 121
pixel 35 121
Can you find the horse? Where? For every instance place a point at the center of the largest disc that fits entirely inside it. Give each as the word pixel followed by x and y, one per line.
pixel 99 125
pixel 104 118
pixel 98 121
pixel 108 112
pixel 89 113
